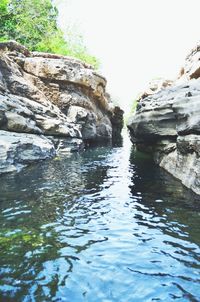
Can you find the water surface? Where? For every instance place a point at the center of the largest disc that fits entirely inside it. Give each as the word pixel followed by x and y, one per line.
pixel 103 225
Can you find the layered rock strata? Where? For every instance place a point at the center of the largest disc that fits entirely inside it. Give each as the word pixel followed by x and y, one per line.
pixel 49 104
pixel 167 123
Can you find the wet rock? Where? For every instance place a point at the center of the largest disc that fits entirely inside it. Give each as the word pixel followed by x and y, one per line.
pixel 183 161
pixel 66 145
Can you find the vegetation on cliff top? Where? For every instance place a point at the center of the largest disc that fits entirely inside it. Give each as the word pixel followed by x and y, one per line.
pixel 34 24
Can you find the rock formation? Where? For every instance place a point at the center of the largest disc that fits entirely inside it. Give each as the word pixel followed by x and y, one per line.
pixel 49 103
pixel 167 123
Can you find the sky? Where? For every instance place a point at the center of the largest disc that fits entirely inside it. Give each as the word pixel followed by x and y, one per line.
pixel 135 40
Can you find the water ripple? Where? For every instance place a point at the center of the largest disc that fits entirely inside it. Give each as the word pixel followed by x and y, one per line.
pixel 103 225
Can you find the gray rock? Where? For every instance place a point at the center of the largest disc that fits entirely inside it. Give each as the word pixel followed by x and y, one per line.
pixel 19 149
pixel 183 161
pixel 67 145
pixel 104 129
pixel 167 122
pixel 192 63
pixel 25 115
pixel 54 96
pixel 167 113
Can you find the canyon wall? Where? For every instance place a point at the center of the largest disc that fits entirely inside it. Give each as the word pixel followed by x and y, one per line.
pixel 167 123
pixel 49 104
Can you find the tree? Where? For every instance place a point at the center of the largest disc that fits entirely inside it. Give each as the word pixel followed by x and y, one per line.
pixel 34 24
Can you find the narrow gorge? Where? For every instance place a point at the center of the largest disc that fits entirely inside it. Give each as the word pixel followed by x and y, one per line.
pixel 86 216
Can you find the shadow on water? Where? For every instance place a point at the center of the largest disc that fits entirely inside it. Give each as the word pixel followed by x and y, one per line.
pixel 102 225
pixel 156 183
pixel 164 194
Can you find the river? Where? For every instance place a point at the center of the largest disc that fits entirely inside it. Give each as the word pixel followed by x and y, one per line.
pixel 102 225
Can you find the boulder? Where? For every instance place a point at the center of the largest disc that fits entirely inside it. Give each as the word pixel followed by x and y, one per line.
pixel 17 150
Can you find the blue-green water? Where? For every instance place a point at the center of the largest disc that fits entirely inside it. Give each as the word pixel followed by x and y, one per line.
pixel 103 225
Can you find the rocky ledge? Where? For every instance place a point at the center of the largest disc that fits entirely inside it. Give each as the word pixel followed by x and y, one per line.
pixel 167 123
pixel 49 104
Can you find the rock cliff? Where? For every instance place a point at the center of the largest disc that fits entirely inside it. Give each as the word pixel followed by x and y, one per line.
pixel 167 123
pixel 49 104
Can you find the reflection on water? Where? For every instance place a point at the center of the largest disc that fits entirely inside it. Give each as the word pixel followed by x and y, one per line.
pixel 103 225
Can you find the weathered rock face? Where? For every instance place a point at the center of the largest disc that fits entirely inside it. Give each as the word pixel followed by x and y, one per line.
pixel 20 149
pixel 51 100
pixel 167 123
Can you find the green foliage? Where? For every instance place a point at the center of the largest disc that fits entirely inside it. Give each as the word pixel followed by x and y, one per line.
pixel 3 7
pixel 134 106
pixel 33 23
pixel 132 111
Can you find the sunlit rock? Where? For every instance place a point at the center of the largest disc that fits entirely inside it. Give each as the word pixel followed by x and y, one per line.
pixel 55 96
